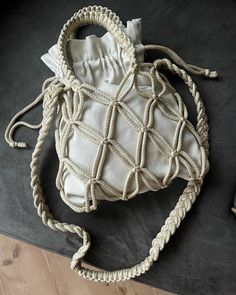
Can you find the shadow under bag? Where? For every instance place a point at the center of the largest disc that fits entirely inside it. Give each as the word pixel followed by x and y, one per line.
pixel 121 128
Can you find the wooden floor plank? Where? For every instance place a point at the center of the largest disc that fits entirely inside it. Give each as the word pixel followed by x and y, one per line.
pixel 27 270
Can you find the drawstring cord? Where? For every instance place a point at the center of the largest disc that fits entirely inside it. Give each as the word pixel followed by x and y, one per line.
pixel 195 70
pixel 14 124
pixel 174 56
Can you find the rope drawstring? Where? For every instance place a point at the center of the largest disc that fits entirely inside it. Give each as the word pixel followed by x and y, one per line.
pixel 13 124
pixel 173 55
pixel 195 70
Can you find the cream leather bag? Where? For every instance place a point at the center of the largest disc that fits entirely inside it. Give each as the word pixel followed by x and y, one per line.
pixel 121 128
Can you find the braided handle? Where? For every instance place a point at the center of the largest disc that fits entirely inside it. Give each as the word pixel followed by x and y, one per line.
pixel 93 15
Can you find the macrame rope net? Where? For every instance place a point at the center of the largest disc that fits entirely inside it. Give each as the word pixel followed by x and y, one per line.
pixel 56 100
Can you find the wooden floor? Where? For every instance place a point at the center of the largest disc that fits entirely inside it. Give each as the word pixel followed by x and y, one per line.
pixel 28 270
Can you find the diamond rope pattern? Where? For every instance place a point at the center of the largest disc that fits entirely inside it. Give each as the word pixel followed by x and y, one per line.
pixel 72 108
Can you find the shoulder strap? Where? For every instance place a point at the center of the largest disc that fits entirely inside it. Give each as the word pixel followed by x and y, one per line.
pixel 183 205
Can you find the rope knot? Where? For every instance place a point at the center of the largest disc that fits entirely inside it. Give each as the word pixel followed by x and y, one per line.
pixel 14 144
pixel 105 141
pixel 92 181
pixel 182 119
pixel 210 74
pixel 75 85
pixel 174 153
pixel 144 129
pixel 114 103
pixel 136 169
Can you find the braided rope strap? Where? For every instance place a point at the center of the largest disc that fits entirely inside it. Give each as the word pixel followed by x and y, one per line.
pixel 51 96
pixel 183 205
pixel 52 93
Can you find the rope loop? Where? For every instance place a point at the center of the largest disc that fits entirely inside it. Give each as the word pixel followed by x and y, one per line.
pixel 99 16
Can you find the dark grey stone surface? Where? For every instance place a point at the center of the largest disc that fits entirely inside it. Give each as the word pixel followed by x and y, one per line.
pixel 200 258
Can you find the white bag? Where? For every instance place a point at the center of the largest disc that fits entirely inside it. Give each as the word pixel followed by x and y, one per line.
pixel 121 128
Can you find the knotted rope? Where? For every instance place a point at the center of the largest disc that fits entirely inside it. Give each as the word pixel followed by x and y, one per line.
pixel 55 100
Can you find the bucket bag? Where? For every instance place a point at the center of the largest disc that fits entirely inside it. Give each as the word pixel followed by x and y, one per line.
pixel 121 128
